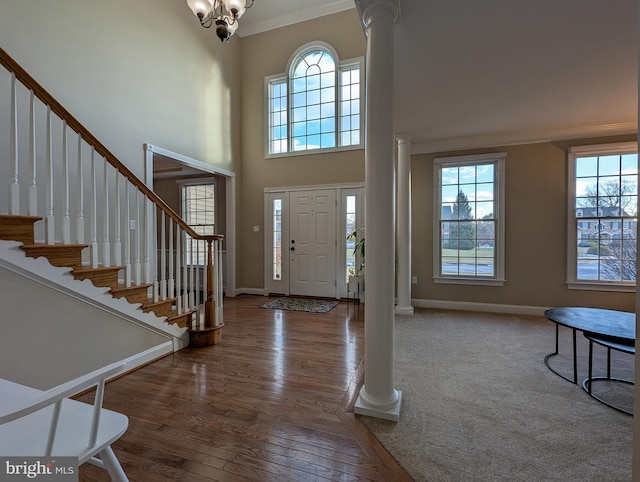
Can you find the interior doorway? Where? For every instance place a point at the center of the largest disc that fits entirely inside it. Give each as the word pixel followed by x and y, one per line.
pixel 168 173
pixel 306 248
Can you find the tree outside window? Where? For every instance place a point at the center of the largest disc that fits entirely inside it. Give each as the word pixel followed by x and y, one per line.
pixel 603 245
pixel 470 221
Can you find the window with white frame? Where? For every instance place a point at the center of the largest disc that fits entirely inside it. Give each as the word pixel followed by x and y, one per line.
pixel 469 216
pixel 199 212
pixel 603 216
pixel 316 104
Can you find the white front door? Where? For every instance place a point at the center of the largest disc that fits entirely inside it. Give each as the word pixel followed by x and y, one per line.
pixel 312 243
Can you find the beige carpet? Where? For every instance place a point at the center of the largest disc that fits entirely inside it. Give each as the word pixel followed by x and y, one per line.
pixel 480 405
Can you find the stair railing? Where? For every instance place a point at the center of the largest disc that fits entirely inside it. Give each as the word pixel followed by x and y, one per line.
pixel 85 195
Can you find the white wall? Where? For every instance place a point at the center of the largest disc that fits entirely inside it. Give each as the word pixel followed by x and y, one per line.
pixel 132 72
pixel 48 337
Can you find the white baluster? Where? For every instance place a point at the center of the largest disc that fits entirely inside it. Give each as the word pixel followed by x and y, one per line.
pixel 205 284
pixel 195 261
pixel 94 210
pixel 14 185
pixel 32 205
pixel 170 276
pixel 106 246
pixel 154 222
pixel 185 272
pixel 192 268
pixel 80 187
pixel 198 266
pixel 178 271
pixel 163 256
pixel 66 218
pixel 117 244
pixel 217 253
pixel 127 239
pixel 137 265
pixel 49 220
pixel 147 240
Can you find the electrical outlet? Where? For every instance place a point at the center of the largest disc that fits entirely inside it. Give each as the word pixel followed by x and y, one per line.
pixel 256 229
pixel 132 224
pixel 414 280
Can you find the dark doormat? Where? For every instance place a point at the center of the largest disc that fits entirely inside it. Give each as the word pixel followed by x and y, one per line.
pixel 302 304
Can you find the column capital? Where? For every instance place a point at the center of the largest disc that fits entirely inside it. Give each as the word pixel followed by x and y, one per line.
pixel 369 8
pixel 403 139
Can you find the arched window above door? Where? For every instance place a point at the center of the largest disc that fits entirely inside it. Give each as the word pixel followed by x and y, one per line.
pixel 316 104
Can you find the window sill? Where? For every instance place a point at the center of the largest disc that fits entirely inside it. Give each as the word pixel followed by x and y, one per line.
pixel 596 286
pixel 468 281
pixel 311 152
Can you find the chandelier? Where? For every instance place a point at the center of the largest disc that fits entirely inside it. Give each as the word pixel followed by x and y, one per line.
pixel 224 14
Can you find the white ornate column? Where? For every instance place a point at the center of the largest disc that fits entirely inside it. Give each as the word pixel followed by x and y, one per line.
pixel 378 398
pixel 403 233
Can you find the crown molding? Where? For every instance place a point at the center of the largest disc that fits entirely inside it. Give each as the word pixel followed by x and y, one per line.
pixel 425 146
pixel 259 26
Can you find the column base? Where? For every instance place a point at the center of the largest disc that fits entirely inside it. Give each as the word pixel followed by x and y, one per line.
pixel 405 310
pixel 389 413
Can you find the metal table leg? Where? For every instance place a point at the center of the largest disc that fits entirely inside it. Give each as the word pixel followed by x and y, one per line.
pixel 575 358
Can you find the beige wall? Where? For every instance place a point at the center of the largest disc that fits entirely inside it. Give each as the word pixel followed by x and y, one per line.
pixel 267 54
pixel 535 225
pixel 133 73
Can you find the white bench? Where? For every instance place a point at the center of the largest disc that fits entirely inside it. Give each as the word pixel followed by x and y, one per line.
pixel 47 423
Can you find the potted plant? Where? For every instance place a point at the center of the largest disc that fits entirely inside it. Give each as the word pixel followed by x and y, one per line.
pixel 356 279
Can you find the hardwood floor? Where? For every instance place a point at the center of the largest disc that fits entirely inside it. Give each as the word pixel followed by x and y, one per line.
pixel 272 402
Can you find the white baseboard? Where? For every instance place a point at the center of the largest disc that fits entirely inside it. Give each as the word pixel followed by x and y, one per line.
pixel 441 304
pixel 484 307
pixel 251 291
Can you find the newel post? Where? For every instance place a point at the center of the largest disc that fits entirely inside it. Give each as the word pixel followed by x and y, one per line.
pixel 210 303
pixel 211 331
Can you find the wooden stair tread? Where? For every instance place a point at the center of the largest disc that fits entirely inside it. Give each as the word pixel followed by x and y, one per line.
pixel 17 228
pixel 60 255
pixel 160 308
pixel 20 228
pixel 99 269
pixel 152 304
pixel 102 276
pixel 125 289
pixel 183 320
pixel 53 247
pixel 4 218
pixel 133 294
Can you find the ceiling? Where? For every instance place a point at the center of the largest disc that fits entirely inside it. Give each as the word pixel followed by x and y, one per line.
pixel 472 73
